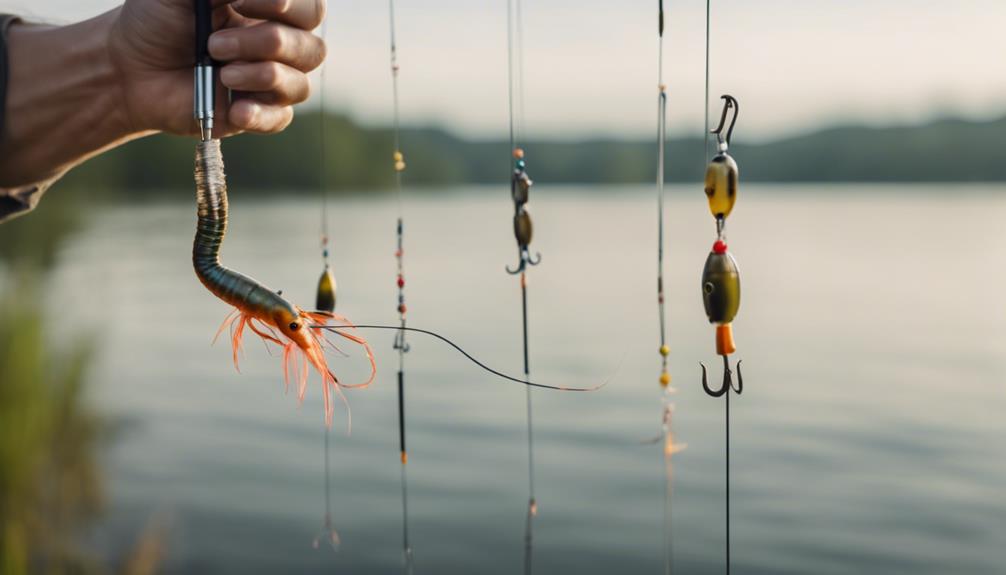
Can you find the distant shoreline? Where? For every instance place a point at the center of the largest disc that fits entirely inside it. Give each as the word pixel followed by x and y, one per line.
pixel 942 151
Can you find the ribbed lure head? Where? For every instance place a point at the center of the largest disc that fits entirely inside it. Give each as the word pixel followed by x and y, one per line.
pixel 325 300
pixel 292 323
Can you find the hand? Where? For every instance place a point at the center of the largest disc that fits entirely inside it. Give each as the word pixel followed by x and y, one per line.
pixel 265 49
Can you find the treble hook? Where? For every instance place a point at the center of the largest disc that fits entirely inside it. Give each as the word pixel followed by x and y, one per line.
pixel 400 342
pixel 525 260
pixel 727 380
pixel 731 102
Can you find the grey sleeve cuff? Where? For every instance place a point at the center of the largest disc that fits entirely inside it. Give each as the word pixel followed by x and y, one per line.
pixel 17 201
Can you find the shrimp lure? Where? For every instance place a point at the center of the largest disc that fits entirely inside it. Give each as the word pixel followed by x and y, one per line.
pixel 262 310
pixel 721 288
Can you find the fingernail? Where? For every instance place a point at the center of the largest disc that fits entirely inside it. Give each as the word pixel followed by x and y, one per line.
pixel 223 46
pixel 237 3
pixel 232 76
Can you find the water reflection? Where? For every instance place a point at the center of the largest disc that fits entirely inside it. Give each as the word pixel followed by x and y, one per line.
pixel 532 511
pixel 52 484
pixel 328 533
pixel 671 447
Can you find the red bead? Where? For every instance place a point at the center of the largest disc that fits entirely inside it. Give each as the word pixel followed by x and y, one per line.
pixel 720 247
pixel 401 308
pixel 398 253
pixel 401 281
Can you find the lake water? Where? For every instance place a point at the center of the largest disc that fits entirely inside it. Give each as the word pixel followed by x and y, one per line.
pixel 869 438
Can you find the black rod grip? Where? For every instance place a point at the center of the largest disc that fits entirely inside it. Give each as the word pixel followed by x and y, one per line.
pixel 204 27
pixel 401 411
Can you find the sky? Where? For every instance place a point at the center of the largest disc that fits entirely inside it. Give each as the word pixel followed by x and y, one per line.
pixel 590 66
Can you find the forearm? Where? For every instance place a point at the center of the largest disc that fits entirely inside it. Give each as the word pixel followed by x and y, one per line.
pixel 64 100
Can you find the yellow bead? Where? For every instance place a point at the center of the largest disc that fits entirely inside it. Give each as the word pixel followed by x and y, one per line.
pixel 664 350
pixel 665 379
pixel 398 156
pixel 399 166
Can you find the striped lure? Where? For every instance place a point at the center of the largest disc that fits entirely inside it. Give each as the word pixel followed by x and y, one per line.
pixel 260 309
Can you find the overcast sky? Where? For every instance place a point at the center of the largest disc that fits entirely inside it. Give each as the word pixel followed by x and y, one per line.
pixel 590 65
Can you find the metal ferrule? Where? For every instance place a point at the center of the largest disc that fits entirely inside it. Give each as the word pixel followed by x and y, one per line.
pixel 203 99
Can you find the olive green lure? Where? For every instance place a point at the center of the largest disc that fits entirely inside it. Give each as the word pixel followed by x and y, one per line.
pixel 721 284
pixel 325 300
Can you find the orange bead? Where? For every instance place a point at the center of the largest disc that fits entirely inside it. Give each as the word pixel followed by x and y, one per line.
pixel 725 339
pixel 518 153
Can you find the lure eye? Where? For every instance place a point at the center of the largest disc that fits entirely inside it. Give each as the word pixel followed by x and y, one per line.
pixel 708 287
pixel 294 326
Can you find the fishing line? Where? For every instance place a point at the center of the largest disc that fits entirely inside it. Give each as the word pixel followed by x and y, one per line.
pixel 459 349
pixel 705 101
pixel 666 436
pixel 326 293
pixel 328 532
pixel 520 187
pixel 399 164
pixel 720 278
pixel 400 344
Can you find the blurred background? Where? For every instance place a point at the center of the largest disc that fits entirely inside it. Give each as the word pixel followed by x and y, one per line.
pixel 868 437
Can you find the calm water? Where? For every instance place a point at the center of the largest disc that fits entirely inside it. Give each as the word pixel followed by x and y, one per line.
pixel 868 439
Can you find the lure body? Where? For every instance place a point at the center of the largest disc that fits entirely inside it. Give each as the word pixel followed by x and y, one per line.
pixel 523 231
pixel 264 311
pixel 721 295
pixel 325 300
pixel 721 185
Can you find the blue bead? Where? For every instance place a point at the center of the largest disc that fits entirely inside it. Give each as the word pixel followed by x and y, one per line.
pixel 520 164
pixel 324 253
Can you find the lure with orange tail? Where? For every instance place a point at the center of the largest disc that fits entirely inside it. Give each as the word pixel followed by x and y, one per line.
pixel 264 311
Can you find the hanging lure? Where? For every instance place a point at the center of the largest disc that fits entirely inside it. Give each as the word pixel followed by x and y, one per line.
pixel 325 299
pixel 262 310
pixel 721 288
pixel 520 188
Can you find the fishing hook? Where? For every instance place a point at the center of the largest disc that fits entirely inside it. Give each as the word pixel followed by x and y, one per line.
pixel 400 342
pixel 525 260
pixel 727 379
pixel 730 102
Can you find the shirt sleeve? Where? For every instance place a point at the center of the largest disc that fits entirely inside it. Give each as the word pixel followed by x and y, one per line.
pixel 13 201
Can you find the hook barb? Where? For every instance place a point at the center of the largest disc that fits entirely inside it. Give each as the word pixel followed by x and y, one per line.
pixel 525 260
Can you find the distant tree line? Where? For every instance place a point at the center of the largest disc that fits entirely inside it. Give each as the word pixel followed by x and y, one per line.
pixel 360 158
